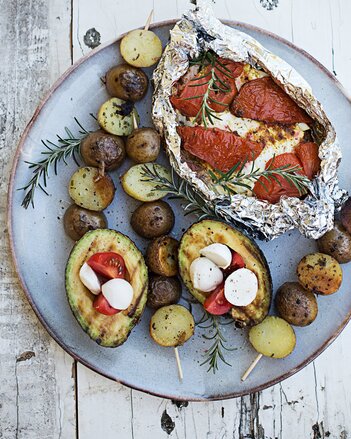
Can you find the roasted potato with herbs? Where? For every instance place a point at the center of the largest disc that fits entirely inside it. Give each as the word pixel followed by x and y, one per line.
pixel 116 117
pixel 126 82
pixel 143 145
pixel 100 149
pixel 141 48
pixel 163 291
pixel 91 190
pixel 295 304
pixel 172 325
pixel 319 273
pixel 336 243
pixel 136 186
pixel 77 221
pixel 162 256
pixel 153 219
pixel 273 337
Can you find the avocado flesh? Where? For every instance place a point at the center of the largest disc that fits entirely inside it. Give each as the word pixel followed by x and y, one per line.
pixel 207 232
pixel 109 331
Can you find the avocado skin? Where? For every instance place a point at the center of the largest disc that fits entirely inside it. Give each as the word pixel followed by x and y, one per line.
pixel 107 331
pixel 206 232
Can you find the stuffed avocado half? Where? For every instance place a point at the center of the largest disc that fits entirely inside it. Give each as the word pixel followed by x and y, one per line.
pixel 106 330
pixel 207 232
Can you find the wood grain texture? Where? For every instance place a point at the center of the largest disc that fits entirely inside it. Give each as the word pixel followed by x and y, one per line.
pixel 38 381
pixel 36 386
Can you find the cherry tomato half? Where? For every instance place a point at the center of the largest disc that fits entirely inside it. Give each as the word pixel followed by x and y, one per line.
pixel 216 303
pixel 108 264
pixel 103 307
pixel 237 262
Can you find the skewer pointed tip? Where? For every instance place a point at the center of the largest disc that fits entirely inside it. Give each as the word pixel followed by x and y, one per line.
pixel 149 19
pixel 180 370
pixel 251 367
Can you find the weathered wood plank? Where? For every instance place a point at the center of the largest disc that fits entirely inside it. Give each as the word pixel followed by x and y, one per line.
pixel 340 13
pixel 36 387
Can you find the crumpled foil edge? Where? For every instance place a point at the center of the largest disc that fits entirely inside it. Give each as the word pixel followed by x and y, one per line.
pixel 198 30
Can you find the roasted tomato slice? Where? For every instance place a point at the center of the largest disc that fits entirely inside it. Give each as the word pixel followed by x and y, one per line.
pixel 262 99
pixel 103 307
pixel 189 97
pixel 216 303
pixel 108 264
pixel 237 262
pixel 221 149
pixel 272 189
pixel 308 154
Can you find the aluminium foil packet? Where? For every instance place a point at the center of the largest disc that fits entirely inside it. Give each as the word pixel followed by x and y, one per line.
pixel 198 31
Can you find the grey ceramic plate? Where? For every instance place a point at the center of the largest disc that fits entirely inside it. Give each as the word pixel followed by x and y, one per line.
pixel 40 246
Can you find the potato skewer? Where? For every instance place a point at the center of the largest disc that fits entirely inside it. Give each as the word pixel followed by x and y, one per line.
pixel 172 326
pixel 273 338
pixel 141 47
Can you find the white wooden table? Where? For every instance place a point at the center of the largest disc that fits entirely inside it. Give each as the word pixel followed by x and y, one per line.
pixel 46 394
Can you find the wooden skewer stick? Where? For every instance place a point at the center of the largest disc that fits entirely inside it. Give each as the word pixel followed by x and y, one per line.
pixel 148 21
pixel 180 370
pixel 251 367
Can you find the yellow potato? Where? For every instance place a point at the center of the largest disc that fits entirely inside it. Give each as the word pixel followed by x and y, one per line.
pixel 273 337
pixel 112 119
pixel 141 48
pixel 172 325
pixel 90 190
pixel 134 184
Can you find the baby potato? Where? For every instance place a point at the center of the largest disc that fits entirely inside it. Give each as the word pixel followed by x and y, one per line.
pixel 116 117
pixel 345 215
pixel 163 291
pixel 273 337
pixel 126 82
pixel 143 145
pixel 135 185
pixel 77 221
pixel 90 190
pixel 319 273
pixel 162 256
pixel 336 243
pixel 100 148
pixel 172 325
pixel 153 219
pixel 295 304
pixel 141 48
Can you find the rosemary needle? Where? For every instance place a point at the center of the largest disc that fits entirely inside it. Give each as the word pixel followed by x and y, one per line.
pixel 216 350
pixel 237 176
pixel 179 189
pixel 214 83
pixel 65 148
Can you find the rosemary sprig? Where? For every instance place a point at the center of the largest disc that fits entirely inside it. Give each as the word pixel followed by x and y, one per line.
pixel 65 148
pixel 216 350
pixel 238 177
pixel 179 189
pixel 214 83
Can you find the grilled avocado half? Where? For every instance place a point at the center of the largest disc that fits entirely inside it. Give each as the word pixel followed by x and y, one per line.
pixel 207 232
pixel 109 331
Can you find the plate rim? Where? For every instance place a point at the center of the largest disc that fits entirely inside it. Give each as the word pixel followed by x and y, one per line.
pixel 10 236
